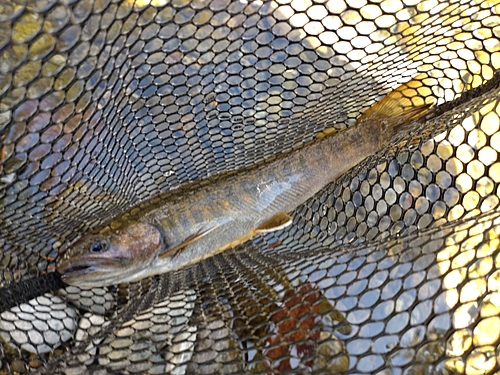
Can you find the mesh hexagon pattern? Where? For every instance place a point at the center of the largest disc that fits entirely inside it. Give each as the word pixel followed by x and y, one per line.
pixel 392 269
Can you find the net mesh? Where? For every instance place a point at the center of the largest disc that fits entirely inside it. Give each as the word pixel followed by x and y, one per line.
pixel 392 269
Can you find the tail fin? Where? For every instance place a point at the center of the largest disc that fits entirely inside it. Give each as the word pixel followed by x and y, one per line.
pixel 398 108
pixel 401 106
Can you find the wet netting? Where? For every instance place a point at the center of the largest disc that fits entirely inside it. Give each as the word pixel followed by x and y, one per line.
pixel 392 269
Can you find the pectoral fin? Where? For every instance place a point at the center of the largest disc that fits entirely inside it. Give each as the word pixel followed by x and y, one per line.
pixel 189 240
pixel 276 222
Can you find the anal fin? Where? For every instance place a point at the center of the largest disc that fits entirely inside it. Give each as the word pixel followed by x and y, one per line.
pixel 276 222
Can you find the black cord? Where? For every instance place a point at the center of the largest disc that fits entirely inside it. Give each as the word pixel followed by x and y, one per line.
pixel 23 291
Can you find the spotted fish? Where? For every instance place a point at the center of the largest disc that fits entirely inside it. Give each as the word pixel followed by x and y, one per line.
pixel 178 232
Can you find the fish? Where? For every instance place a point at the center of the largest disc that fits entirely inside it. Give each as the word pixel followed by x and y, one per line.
pixel 186 228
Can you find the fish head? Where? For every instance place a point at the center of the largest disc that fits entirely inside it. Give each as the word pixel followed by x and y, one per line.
pixel 110 258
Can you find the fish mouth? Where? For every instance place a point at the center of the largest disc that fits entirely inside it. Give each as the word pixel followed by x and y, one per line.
pixel 70 268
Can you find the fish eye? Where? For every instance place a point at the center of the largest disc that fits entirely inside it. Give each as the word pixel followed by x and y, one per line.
pixel 98 246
